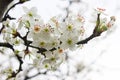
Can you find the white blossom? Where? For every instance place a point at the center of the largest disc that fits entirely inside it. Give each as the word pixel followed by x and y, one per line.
pixel 55 36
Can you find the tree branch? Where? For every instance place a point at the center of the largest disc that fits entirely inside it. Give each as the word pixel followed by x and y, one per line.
pixel 8 45
pixel 86 40
pixel 94 34
pixel 14 74
pixel 3 6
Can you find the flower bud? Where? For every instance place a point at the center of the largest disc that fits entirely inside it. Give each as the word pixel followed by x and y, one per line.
pixel 113 18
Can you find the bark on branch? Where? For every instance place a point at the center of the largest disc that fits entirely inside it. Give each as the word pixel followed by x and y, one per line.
pixel 3 7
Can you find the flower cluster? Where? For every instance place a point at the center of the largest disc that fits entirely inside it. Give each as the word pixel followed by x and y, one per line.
pixel 54 38
pixel 55 34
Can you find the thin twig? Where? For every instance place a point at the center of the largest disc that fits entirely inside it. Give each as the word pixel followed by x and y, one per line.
pixel 94 34
pixel 2 29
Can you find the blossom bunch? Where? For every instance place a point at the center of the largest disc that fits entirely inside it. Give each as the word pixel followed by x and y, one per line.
pixel 47 42
pixel 55 34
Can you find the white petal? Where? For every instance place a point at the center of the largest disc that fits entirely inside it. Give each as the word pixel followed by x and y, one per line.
pixel 25 9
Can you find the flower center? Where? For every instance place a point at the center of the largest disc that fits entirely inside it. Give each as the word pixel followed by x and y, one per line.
pixel 30 14
pixel 36 28
pixel 42 43
pixel 46 66
pixel 69 27
pixel 52 59
pixel 60 50
pixel 69 41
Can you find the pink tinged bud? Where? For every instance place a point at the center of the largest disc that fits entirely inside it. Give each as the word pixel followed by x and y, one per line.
pixel 81 19
pixel 100 9
pixel 113 18
pixel 82 30
pixel 55 21
pixel 60 51
pixel 111 22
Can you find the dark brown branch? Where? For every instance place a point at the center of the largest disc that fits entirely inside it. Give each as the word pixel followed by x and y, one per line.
pixel 21 62
pixel 24 38
pixel 27 43
pixel 6 14
pixel 97 24
pixel 3 6
pixel 94 34
pixel 40 50
pixel 20 65
pixel 14 74
pixel 86 40
pixel 8 45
